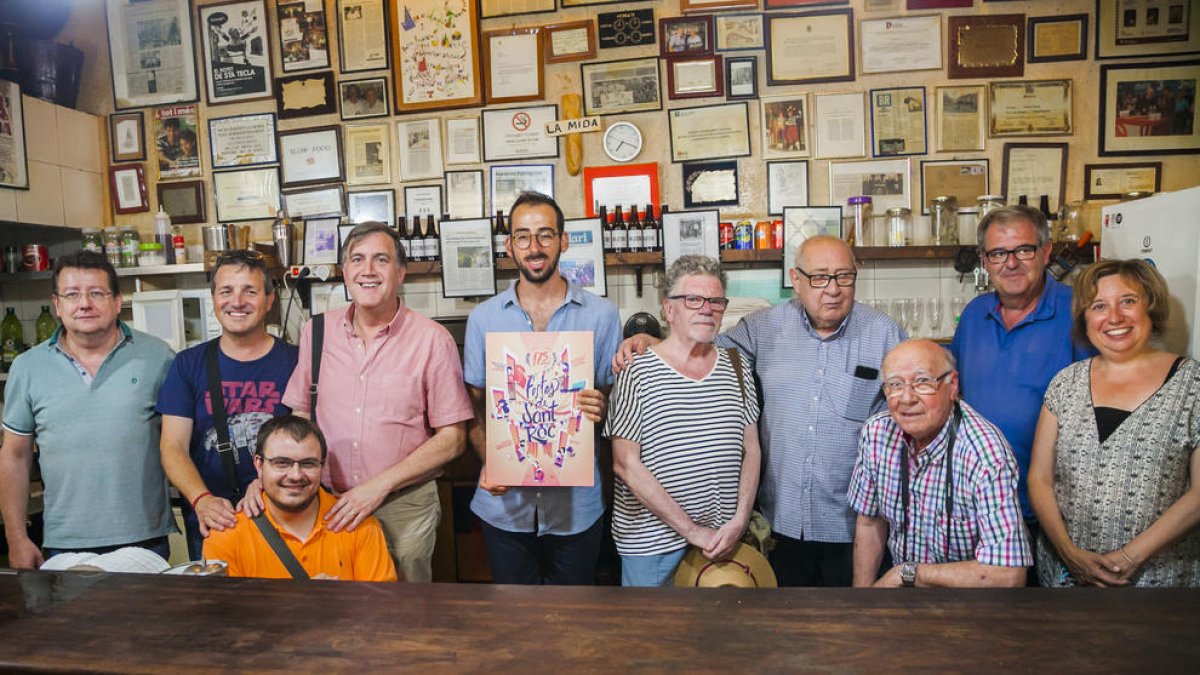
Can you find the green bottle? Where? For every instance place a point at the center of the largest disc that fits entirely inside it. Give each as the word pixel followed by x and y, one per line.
pixel 12 337
pixel 46 324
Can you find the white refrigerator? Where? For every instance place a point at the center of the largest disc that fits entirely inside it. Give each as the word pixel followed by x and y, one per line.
pixel 1163 230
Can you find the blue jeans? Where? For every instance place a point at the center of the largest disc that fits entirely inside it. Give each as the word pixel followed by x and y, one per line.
pixel 650 570
pixel 157 545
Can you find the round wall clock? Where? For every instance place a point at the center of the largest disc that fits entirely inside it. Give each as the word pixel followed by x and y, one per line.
pixel 622 141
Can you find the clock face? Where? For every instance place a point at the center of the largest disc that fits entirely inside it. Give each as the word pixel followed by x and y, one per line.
pixel 622 141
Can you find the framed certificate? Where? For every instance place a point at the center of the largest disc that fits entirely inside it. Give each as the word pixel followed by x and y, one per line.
pixel 583 263
pixel 810 47
pixel 423 200
pixel 464 194
pixel 785 123
pixel 963 179
pixel 372 206
pixel 959 114
pixel 986 46
pixel 237 60
pixel 468 265
pixel 128 184
pixel 695 77
pixel 1149 109
pixel 150 49
pixel 436 58
pixel 513 62
pixel 368 154
pixel 710 132
pixel 420 145
pixel 802 222
pixel 508 181
pixel 1057 38
pixel 787 185
pixel 885 181
pixel 1112 181
pixel 690 233
pixel 627 86
pixel 251 194
pixel 303 40
pixel 901 44
pixel 898 122
pixel 362 35
pixel 1029 108
pixel 1034 169
pixel 243 141
pixel 1127 28
pixel 462 140
pixel 518 133
pixel 313 202
pixel 311 156
pixel 571 41
pixel 840 125
pixel 126 131
pixel 710 184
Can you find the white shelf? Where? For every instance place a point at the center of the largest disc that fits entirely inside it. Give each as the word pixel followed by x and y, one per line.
pixel 160 269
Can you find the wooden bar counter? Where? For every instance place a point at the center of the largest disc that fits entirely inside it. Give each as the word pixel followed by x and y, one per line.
pixel 133 623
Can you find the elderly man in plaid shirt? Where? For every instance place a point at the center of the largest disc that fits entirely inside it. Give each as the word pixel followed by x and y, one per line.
pixel 936 482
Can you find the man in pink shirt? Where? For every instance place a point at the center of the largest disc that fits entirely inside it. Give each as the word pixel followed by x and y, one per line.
pixel 390 401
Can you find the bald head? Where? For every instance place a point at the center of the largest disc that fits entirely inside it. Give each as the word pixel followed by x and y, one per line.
pixel 824 246
pixel 818 260
pixel 926 352
pixel 917 363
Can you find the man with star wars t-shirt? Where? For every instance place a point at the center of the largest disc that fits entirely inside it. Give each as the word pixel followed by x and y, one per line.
pixel 254 370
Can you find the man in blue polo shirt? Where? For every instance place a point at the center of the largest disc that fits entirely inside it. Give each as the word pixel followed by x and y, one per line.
pixel 540 535
pixel 1010 343
pixel 87 397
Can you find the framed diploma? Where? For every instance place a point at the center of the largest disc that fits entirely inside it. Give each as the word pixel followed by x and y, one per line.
pixel 184 202
pixel 464 194
pixel 489 9
pixel 784 124
pixel 243 141
pixel 710 132
pixel 462 140
pixel 710 184
pixel 126 131
pixel 310 203
pixel 623 184
pixel 714 5
pixel 885 181
pixel 1149 109
pixel 237 61
pixel 303 40
pixel 986 46
pixel 627 86
pixel 372 206
pixel 1112 181
pixel 420 145
pixel 513 62
pixel 787 185
pixel 1057 38
pixel 583 262
pixel 305 95
pixel 468 266
pixel 959 115
pixel 311 156
pixel 840 125
pixel 1029 108
pixel 252 194
pixel 423 200
pixel 128 185
pixel 518 133
pixel 963 179
pixel 508 181
pixel 362 35
pixel 321 241
pixel 360 99
pixel 800 223
pixel 898 122
pixel 571 41
pixel 150 49
pixel 690 233
pixel 435 55
pixel 810 47
pixel 1126 28
pixel 368 154
pixel 901 44
pixel 1034 169
pixel 695 77
pixel 685 36
pixel 741 77
pixel 738 32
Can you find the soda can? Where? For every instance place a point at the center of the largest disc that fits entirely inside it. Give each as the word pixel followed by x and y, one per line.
pixel 726 235
pixel 777 233
pixel 743 236
pixel 35 258
pixel 762 234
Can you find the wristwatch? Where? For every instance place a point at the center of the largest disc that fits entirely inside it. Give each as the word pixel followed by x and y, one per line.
pixel 908 574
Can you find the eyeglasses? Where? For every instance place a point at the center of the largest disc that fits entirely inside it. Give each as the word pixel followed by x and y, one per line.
pixel 999 256
pixel 922 385
pixel 544 238
pixel 285 464
pixel 843 279
pixel 75 297
pixel 239 256
pixel 697 301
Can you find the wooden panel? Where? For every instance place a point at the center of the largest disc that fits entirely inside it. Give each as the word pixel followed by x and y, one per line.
pixel 41 130
pixel 42 203
pixel 86 206
pixel 80 136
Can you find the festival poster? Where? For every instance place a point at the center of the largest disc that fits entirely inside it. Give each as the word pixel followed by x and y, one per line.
pixel 536 433
pixel 176 143
pixel 237 64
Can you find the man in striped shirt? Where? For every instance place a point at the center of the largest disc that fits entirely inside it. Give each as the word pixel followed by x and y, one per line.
pixel 937 482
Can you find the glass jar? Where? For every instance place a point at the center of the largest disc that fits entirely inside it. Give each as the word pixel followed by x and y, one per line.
pixel 858 220
pixel 899 226
pixel 943 220
pixel 988 202
pixel 112 246
pixel 129 247
pixel 968 223
pixel 92 240
pixel 1071 223
pixel 150 254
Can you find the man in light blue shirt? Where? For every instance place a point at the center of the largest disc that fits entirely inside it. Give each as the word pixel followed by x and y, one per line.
pixel 537 535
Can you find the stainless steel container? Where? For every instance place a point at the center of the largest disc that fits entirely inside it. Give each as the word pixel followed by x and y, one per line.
pixel 216 237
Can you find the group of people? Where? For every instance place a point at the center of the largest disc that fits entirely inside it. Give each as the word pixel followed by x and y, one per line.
pixel 1050 433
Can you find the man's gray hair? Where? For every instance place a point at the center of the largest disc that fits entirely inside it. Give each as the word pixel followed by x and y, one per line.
pixel 1013 214
pixel 368 228
pixel 686 265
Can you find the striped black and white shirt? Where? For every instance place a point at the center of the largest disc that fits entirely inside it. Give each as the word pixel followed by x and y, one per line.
pixel 690 433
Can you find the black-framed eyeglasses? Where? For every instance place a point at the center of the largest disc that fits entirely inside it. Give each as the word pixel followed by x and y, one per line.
pixel 544 238
pixel 238 256
pixel 922 385
pixel 285 464
pixel 999 256
pixel 74 297
pixel 843 279
pixel 697 301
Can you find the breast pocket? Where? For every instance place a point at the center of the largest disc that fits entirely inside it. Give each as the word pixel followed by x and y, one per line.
pixel 962 533
pixel 851 397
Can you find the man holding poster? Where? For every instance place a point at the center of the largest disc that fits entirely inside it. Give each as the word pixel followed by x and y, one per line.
pixel 540 534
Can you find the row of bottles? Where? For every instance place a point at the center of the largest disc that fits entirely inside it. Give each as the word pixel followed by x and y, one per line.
pixel 421 239
pixel 636 234
pixel 12 333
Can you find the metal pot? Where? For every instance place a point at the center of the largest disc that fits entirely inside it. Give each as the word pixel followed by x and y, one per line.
pixel 216 237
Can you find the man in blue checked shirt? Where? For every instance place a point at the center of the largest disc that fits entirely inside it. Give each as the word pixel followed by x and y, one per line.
pixel 936 482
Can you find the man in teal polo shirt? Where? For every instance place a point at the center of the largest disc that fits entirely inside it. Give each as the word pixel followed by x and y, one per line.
pixel 86 396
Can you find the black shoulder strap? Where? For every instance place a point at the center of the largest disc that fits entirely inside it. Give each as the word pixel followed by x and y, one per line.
pixel 318 345
pixel 225 449
pixel 735 357
pixel 281 550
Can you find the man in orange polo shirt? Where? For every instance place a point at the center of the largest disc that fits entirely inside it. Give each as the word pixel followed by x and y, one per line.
pixel 288 456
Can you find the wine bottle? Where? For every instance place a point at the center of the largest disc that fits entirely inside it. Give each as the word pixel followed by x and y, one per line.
pixel 620 235
pixel 605 229
pixel 499 235
pixel 634 227
pixel 651 230
pixel 433 242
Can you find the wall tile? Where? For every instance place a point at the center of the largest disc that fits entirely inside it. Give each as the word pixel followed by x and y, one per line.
pixel 86 206
pixel 79 140
pixel 41 130
pixel 42 203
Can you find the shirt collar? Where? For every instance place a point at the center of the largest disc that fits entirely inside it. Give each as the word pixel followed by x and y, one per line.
pixel 391 328
pixel 1043 311
pixel 936 448
pixel 837 333
pixel 574 295
pixel 325 502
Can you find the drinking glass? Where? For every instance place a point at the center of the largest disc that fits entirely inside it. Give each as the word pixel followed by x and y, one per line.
pixel 899 312
pixel 935 315
pixel 916 315
pixel 957 303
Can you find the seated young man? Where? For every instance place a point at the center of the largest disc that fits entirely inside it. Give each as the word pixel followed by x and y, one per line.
pixel 288 456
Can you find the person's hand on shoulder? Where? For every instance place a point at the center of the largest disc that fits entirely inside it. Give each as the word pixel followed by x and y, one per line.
pixel 215 513
pixel 252 502
pixel 631 347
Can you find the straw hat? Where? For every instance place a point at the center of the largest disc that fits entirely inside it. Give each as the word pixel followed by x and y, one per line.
pixel 746 568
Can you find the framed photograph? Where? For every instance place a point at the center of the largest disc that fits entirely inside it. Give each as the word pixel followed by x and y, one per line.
pixel 986 46
pixel 423 200
pixel 362 35
pixel 372 206
pixel 252 194
pixel 128 183
pixel 311 203
pixel 959 113
pixel 715 5
pixel 570 41
pixel 964 179
pixel 305 95
pixel 508 181
pixel 150 49
pixel 741 77
pixel 464 194
pixel 420 144
pixel 802 222
pixel 1127 28
pixel 1034 169
pixel 359 99
pixel 435 55
pixel 840 125
pixel 695 77
pixel 321 241
pixel 787 185
pixel 462 141
pixel 901 43
pixel 690 233
pixel 1113 181
pixel 489 9
pixel 885 181
pixel 710 132
pixel 177 142
pixel 1056 38
pixel 1149 109
pixel 311 156
pixel 518 133
pixel 468 263
pixel 710 184
pixel 738 32
pixel 237 61
pixel 898 122
pixel 303 40
pixel 628 86
pixel 513 62
pixel 184 202
pixel 685 36
pixel 1029 108
pixel 126 131
pixel 810 47
pixel 623 184
pixel 368 154
pixel 582 262
pixel 242 141
pixel 630 28
pixel 784 123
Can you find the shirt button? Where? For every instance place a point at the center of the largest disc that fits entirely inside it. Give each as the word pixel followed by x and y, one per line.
pixel 355 476
pixel 358 410
pixel 356 444
pixel 362 378
pixel 810 428
pixel 816 398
